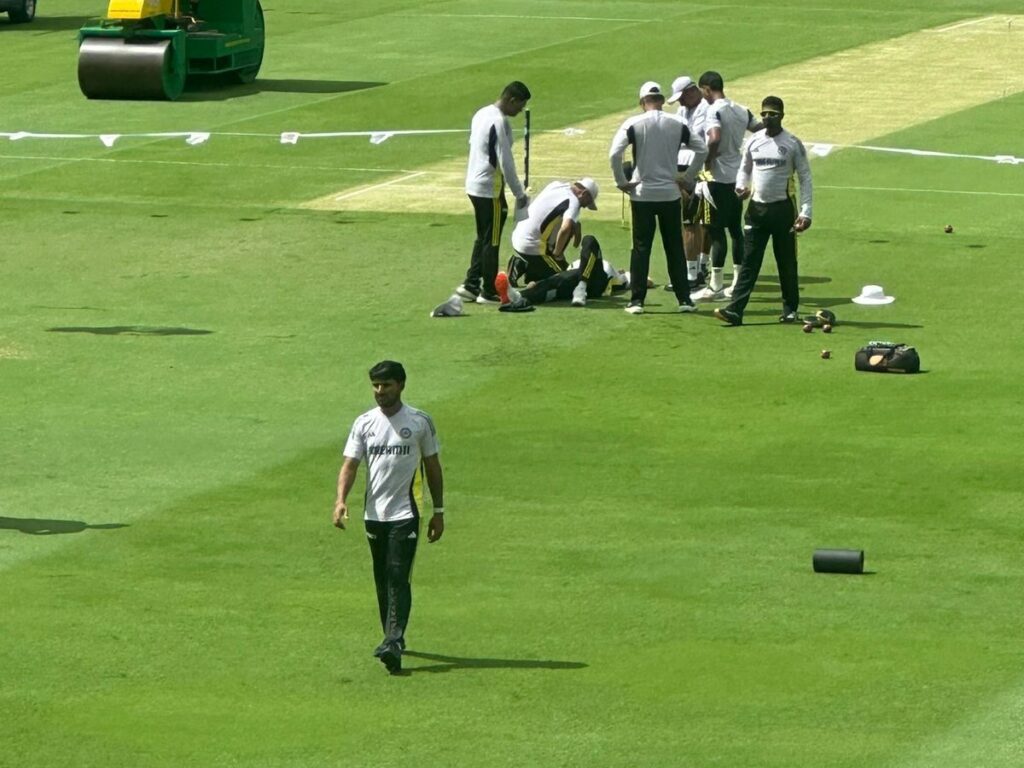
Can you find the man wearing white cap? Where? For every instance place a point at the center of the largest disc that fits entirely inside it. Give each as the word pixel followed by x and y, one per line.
pixel 654 192
pixel 692 111
pixel 552 222
pixel 771 158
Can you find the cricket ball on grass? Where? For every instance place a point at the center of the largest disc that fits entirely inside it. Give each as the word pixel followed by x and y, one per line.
pixel 949 229
pixel 808 327
pixel 826 354
pixel 826 328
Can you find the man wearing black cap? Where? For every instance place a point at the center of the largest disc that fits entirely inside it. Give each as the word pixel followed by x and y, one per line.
pixel 654 192
pixel 771 158
pixel 400 446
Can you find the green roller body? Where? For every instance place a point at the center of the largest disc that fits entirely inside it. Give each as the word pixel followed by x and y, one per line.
pixel 153 58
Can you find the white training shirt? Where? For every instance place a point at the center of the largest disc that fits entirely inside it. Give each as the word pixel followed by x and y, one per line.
pixel 393 447
pixel 656 138
pixel 490 155
pixel 544 218
pixel 770 162
pixel 694 119
pixel 733 121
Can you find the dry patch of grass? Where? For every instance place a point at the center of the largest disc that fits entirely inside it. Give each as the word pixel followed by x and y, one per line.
pixel 849 97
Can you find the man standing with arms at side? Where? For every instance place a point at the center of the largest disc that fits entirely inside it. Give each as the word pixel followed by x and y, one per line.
pixel 692 111
pixel 400 446
pixel 654 192
pixel 490 166
pixel 725 125
pixel 769 162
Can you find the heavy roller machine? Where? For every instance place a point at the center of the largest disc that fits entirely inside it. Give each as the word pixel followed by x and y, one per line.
pixel 147 49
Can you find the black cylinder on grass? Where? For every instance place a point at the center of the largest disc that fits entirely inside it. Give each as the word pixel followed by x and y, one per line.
pixel 839 561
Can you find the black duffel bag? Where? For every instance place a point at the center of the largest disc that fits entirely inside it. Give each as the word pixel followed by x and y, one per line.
pixel 887 357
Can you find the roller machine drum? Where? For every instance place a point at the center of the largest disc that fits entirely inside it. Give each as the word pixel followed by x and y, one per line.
pixel 147 49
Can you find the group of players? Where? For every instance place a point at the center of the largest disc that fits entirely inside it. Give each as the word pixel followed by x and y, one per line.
pixel 687 177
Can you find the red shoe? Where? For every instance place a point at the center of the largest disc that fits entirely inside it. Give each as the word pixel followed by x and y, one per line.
pixel 501 286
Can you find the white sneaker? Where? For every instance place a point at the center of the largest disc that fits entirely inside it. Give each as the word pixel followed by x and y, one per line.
pixel 481 299
pixel 728 291
pixel 685 308
pixel 579 295
pixel 467 293
pixel 707 294
pixel 635 309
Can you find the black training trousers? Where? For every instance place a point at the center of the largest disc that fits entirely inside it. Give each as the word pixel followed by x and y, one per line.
pixel 562 284
pixel 393 547
pixel 490 214
pixel 766 221
pixel 725 216
pixel 667 216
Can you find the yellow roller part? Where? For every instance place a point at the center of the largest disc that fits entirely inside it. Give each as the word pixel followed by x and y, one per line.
pixel 139 9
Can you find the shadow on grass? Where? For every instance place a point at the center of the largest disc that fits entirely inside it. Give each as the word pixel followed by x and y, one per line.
pixel 38 527
pixel 759 317
pixel 49 23
pixel 224 87
pixel 449 663
pixel 129 330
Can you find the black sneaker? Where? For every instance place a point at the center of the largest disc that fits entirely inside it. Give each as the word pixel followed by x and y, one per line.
pixel 788 317
pixel 698 282
pixel 519 305
pixel 392 659
pixel 728 316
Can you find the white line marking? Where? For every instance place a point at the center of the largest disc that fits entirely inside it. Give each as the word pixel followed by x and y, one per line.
pixel 284 167
pixel 926 191
pixel 962 24
pixel 363 190
pixel 513 16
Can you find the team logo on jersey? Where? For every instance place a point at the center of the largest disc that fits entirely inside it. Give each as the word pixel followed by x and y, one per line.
pixel 405 433
pixel 783 151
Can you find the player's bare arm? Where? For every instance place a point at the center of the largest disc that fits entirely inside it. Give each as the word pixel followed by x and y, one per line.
pixel 346 478
pixel 435 482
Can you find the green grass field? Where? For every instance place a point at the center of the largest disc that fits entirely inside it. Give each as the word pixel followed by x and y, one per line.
pixel 632 502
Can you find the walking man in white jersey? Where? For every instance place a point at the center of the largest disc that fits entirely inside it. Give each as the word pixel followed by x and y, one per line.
pixel 400 446
pixel 725 125
pixel 490 167
pixel 769 162
pixel 654 191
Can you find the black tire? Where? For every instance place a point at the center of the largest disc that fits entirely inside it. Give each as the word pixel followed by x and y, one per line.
pixel 26 14
pixel 248 74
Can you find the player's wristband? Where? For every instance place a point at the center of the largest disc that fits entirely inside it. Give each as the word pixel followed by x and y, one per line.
pixel 438 510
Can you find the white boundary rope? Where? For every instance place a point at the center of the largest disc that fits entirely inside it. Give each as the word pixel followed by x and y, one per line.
pixel 195 138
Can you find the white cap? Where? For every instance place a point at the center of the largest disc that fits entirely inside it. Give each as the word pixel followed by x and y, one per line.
pixel 679 85
pixel 873 294
pixel 591 186
pixel 650 88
